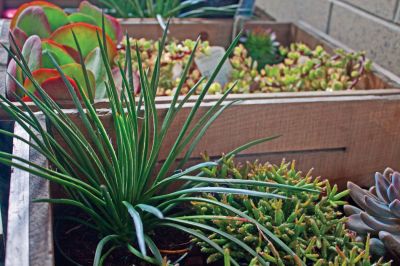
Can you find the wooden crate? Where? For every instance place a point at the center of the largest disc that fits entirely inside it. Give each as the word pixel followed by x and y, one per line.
pixel 345 135
pixel 343 138
pixel 219 32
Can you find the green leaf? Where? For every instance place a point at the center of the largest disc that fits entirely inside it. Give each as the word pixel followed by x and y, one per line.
pixel 57 51
pixel 56 17
pixel 137 220
pixel 33 21
pixel 87 37
pixel 80 17
pixel 150 209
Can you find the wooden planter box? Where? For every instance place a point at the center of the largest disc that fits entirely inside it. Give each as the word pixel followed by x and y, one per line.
pixel 346 135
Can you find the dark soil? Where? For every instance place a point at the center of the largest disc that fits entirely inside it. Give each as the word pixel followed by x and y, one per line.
pixel 76 245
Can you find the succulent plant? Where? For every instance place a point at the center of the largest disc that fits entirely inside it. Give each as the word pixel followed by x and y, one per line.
pixel 310 223
pixel 378 213
pixel 41 29
pixel 262 47
pixel 175 57
pixel 42 18
pixel 302 69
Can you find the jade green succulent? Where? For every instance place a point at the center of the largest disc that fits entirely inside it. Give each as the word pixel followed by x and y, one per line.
pixel 378 213
pixel 309 222
pixel 41 29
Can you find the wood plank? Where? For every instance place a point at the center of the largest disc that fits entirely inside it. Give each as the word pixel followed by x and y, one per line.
pixel 216 31
pixel 17 247
pixel 305 125
pixel 4 26
pixel 40 215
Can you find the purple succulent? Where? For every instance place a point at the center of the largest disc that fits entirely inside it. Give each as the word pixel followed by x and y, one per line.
pixel 378 213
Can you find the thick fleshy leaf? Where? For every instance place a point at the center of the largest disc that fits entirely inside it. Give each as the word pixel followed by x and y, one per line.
pixel 32 52
pixel 94 63
pixel 20 37
pixel 75 71
pixel 57 90
pixel 354 223
pixel 87 38
pixel 389 225
pixel 391 242
pixel 393 193
pixel 112 26
pixel 350 210
pixel 388 173
pixel 25 6
pixel 357 193
pixel 11 86
pixel 33 21
pixel 382 185
pixel 80 17
pixel 396 180
pixel 395 208
pixel 56 17
pixel 372 190
pixel 40 76
pixel 377 247
pixel 377 208
pixel 57 51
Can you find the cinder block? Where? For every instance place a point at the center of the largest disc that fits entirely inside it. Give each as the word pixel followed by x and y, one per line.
pixel 362 31
pixel 397 17
pixel 281 10
pixel 382 8
pixel 314 12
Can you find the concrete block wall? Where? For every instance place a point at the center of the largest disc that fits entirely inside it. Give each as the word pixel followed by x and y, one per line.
pixel 370 25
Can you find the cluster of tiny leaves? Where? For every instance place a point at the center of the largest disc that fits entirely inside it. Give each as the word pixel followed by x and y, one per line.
pixel 309 223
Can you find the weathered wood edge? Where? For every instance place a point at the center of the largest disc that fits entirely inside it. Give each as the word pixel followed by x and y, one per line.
pixel 291 31
pixel 17 248
pixel 30 233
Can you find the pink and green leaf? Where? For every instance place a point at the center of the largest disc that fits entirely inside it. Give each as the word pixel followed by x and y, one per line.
pixel 57 90
pixel 11 86
pixel 112 25
pixel 56 17
pixel 32 52
pixel 59 53
pixel 19 36
pixel 75 71
pixel 33 21
pixel 13 23
pixel 87 38
pixel 80 17
pixel 40 76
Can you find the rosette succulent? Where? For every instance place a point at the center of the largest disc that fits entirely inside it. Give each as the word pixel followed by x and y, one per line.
pixel 378 212
pixel 310 222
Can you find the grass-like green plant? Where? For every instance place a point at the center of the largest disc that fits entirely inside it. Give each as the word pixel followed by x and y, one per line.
pixel 165 8
pixel 114 181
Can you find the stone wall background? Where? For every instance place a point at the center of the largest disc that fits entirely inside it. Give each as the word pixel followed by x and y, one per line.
pixel 370 25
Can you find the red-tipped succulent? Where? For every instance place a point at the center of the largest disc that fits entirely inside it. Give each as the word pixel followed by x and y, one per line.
pixel 44 31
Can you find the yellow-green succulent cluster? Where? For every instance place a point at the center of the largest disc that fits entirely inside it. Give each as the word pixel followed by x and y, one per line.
pixel 174 58
pixel 302 68
pixel 311 224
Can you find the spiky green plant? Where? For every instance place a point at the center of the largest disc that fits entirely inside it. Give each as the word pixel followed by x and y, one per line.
pixel 165 8
pixel 262 47
pixel 378 213
pixel 114 181
pixel 310 224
